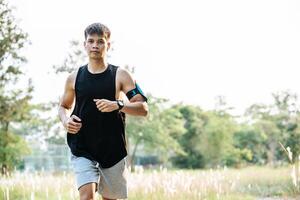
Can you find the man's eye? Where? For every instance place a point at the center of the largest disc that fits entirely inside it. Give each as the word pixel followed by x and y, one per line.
pixel 90 41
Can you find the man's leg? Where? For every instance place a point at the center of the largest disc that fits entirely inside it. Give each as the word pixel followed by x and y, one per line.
pixel 113 183
pixel 87 177
pixel 88 191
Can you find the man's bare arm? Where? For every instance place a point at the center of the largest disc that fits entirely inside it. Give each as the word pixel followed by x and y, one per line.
pixel 65 106
pixel 137 104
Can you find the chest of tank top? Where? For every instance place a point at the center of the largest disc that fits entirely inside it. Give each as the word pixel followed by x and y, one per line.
pixel 90 86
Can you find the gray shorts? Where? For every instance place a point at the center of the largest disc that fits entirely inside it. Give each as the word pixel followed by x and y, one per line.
pixel 111 182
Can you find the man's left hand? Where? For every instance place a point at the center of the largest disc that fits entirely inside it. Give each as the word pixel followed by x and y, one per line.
pixel 105 105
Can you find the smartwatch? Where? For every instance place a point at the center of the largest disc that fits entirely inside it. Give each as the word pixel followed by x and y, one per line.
pixel 120 104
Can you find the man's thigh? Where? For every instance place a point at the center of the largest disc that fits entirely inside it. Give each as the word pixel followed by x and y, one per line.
pixel 113 181
pixel 86 171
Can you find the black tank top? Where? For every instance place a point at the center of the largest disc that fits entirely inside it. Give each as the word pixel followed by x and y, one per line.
pixel 102 135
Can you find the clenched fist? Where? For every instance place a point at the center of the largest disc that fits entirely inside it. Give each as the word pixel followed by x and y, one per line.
pixel 73 124
pixel 105 105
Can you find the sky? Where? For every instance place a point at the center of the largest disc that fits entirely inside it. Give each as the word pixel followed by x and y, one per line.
pixel 183 50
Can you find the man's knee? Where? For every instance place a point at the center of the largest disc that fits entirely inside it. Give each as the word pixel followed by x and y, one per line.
pixel 88 192
pixel 88 196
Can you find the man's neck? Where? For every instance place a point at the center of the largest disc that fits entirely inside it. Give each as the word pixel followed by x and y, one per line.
pixel 97 66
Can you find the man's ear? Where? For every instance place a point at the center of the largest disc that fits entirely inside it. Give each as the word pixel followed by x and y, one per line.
pixel 84 43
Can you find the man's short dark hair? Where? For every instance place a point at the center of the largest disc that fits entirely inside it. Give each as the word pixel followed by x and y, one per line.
pixel 97 28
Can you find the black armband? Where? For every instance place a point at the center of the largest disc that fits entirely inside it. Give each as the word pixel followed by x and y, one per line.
pixel 135 91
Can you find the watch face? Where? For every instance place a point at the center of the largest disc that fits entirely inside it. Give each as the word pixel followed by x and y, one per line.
pixel 120 103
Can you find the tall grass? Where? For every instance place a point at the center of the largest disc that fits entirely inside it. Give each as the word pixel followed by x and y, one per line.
pixel 37 187
pixel 248 183
pixel 226 184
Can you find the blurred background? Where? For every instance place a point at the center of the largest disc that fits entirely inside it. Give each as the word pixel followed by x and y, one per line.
pixel 223 87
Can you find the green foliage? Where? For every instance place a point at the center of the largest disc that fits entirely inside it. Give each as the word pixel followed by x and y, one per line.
pixel 12 148
pixel 217 139
pixel 14 102
pixel 293 141
pixel 158 132
pixel 208 138
pixel 237 157
pixel 277 122
pixel 12 39
pixel 253 141
pixel 194 121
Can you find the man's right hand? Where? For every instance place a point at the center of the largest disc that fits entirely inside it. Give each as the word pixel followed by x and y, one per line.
pixel 73 124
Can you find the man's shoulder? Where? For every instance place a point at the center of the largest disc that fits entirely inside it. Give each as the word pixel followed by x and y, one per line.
pixel 123 73
pixel 124 77
pixel 122 70
pixel 72 76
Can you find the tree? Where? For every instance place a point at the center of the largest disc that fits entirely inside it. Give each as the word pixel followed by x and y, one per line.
pixel 287 121
pixel 208 140
pixel 14 102
pixel 158 132
pixel 252 140
pixel 279 123
pixel 194 121
pixel 217 139
pixel 263 121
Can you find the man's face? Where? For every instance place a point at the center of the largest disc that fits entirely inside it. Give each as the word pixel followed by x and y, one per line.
pixel 96 46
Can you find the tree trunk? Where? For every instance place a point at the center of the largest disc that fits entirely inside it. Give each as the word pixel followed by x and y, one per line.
pixel 297 171
pixel 4 170
pixel 133 154
pixel 4 167
pixel 271 153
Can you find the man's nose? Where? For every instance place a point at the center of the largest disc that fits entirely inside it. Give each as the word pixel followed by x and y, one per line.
pixel 95 45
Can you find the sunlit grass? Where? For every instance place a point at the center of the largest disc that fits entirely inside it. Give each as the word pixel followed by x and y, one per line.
pixel 37 186
pixel 226 184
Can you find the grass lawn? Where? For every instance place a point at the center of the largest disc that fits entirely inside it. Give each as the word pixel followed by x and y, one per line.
pixel 251 183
